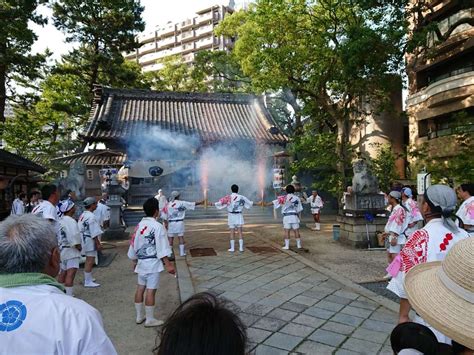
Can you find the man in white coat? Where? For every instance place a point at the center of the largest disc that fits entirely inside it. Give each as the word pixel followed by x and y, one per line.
pixel 35 313
pixel 316 203
pixel 235 204
pixel 19 204
pixel 466 211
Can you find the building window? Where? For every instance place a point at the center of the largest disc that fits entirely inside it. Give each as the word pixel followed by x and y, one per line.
pixel 90 174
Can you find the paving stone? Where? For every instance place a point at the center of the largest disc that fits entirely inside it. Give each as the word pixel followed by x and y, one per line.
pixel 311 347
pixel 297 329
pixel 384 316
pixel 283 341
pixel 250 346
pixel 248 319
pixel 370 335
pixel 271 324
pixel 327 337
pixel 386 350
pixel 331 285
pixel 347 319
pixel 378 326
pixel 257 335
pixel 319 312
pixel 347 294
pixel 358 312
pixel 307 301
pixel 308 321
pixel 271 301
pixel 338 299
pixel 361 346
pixel 345 352
pixel 282 314
pixel 314 294
pixel 330 306
pixel 269 350
pixel 338 328
pixel 295 307
pixel 362 304
pixel 258 309
pixel 230 295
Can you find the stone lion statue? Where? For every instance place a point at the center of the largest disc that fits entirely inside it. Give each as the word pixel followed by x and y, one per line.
pixel 75 181
pixel 363 181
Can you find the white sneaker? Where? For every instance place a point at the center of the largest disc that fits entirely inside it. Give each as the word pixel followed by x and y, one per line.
pixel 91 284
pixel 241 250
pixel 387 277
pixel 140 320
pixel 153 323
pixel 231 250
pixel 286 248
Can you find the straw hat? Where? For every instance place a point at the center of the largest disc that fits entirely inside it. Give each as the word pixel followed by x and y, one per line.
pixel 442 292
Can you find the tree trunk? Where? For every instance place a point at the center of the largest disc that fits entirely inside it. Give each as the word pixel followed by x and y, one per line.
pixel 3 92
pixel 341 149
pixel 94 67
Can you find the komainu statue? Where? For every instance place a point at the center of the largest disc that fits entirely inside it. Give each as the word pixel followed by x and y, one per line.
pixel 75 181
pixel 363 181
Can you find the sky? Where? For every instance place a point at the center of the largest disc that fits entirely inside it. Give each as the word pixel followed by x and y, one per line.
pixel 156 12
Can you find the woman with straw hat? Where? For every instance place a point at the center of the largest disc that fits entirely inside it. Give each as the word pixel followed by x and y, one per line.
pixel 443 293
pixel 430 243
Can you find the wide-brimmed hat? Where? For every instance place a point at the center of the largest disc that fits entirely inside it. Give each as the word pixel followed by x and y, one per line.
pixel 442 292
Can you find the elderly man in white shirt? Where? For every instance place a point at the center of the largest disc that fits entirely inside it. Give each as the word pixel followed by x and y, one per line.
pixel 35 313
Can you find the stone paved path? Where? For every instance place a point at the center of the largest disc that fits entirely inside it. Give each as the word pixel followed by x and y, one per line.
pixel 288 306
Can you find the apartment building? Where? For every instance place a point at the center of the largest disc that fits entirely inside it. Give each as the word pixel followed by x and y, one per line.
pixel 183 38
pixel 441 79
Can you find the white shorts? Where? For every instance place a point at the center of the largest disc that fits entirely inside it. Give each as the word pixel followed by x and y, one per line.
pixel 70 264
pixel 176 229
pixel 394 249
pixel 91 253
pixel 151 281
pixel 235 220
pixel 293 226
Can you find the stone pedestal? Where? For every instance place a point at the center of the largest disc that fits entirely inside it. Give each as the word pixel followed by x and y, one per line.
pixel 365 202
pixel 353 229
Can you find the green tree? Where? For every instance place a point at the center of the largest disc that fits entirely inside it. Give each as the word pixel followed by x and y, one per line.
pixel 319 51
pixel 104 28
pixel 17 64
pixel 383 167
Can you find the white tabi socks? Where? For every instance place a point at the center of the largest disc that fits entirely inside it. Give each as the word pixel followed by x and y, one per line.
pixel 151 321
pixel 241 245
pixel 298 243
pixel 181 250
pixel 88 280
pixel 232 246
pixel 287 244
pixel 318 226
pixel 69 291
pixel 139 309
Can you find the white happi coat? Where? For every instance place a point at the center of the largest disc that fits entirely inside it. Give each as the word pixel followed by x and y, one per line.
pixel 397 223
pixel 316 203
pixel 90 229
pixel 413 216
pixel 235 204
pixel 430 243
pixel 149 246
pixel 47 210
pixel 175 212
pixel 290 208
pixel 466 213
pixel 102 213
pixel 18 207
pixel 70 236
pixel 47 321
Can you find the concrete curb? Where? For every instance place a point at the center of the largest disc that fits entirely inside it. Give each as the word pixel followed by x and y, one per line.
pixel 185 283
pixel 393 306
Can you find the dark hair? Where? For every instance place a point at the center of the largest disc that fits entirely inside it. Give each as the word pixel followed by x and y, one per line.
pixel 416 336
pixel 203 325
pixel 21 195
pixel 290 189
pixel 150 207
pixel 234 188
pixel 469 188
pixel 48 190
pixel 458 348
pixel 34 193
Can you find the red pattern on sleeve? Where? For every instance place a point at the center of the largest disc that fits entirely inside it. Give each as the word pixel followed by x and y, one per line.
pixel 415 250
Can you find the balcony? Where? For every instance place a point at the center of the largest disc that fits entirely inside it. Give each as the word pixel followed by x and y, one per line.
pixel 208 41
pixel 205 17
pixel 185 36
pixel 146 37
pixel 167 42
pixel 147 47
pixel 188 58
pixel 152 57
pixel 152 67
pixel 205 30
pixel 166 30
pixel 186 24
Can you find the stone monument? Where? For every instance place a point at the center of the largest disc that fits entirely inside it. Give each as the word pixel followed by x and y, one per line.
pixel 116 229
pixel 364 214
pixel 75 181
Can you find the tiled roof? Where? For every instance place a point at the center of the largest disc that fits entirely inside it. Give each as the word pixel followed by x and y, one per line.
pixel 123 113
pixel 14 160
pixel 95 158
